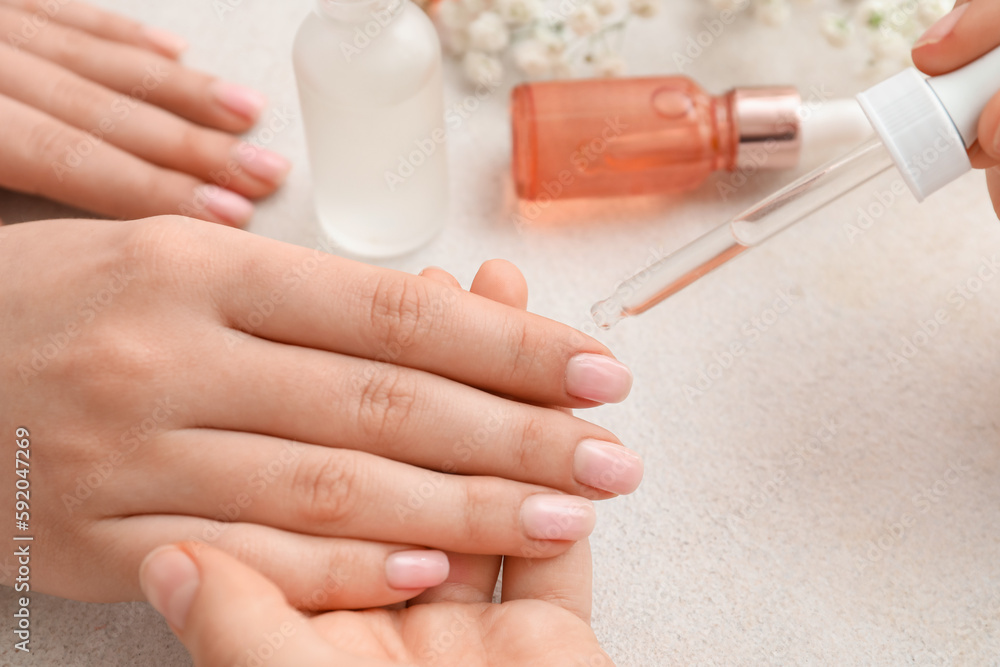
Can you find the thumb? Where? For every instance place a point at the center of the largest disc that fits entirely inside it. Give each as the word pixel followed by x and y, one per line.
pixel 228 614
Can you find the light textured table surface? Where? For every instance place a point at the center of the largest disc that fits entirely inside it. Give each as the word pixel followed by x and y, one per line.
pixel 751 541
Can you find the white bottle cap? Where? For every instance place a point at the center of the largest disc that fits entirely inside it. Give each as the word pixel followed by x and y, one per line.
pixel 927 124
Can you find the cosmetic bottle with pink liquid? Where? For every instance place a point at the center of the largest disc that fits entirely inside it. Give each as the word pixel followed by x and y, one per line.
pixel 616 137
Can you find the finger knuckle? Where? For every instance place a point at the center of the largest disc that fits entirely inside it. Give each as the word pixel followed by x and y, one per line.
pixel 48 141
pixel 401 310
pixel 533 435
pixel 525 352
pixel 477 521
pixel 326 490
pixel 385 403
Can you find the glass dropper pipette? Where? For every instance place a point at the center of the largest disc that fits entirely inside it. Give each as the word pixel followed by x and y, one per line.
pixel 752 227
pixel 924 127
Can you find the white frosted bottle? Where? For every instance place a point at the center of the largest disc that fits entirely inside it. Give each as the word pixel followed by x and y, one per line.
pixel 370 84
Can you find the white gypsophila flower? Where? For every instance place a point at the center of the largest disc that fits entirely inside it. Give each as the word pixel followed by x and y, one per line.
pixel 871 13
pixel 562 68
pixel 584 21
pixel 773 12
pixel 453 15
pixel 836 28
pixel 474 7
pixel 605 7
pixel 609 63
pixel 644 8
pixel 488 33
pixel 533 58
pixel 456 41
pixel 554 42
pixel 518 12
pixel 482 68
pixel 931 10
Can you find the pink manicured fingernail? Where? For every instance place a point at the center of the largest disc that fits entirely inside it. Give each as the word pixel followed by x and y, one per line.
pixel 607 466
pixel 595 377
pixel 224 204
pixel 554 517
pixel 170 580
pixel 239 99
pixel 165 41
pixel 411 570
pixel 264 164
pixel 942 28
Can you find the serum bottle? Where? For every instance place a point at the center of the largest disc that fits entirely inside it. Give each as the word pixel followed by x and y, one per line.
pixel 370 84
pixel 659 135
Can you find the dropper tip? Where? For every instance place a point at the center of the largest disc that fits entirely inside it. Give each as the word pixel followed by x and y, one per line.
pixel 607 313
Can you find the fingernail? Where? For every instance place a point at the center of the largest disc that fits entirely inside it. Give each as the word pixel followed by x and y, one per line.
pixel 595 377
pixel 165 41
pixel 264 164
pixel 170 580
pixel 554 517
pixel 411 570
pixel 942 28
pixel 224 204
pixel 607 466
pixel 239 99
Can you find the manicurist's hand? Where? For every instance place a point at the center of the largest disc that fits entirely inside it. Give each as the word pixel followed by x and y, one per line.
pixel 98 114
pixel 969 31
pixel 319 419
pixel 227 614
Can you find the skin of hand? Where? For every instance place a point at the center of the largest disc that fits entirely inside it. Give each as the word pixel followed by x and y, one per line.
pixel 227 614
pixel 98 114
pixel 969 31
pixel 321 420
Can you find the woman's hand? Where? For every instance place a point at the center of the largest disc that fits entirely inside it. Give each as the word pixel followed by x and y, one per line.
pixel 98 114
pixel 318 418
pixel 227 614
pixel 969 31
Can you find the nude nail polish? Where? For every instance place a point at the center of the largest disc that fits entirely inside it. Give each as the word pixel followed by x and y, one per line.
pixel 230 207
pixel 607 466
pixel 413 570
pixel 238 99
pixel 942 28
pixel 266 165
pixel 558 518
pixel 165 41
pixel 595 377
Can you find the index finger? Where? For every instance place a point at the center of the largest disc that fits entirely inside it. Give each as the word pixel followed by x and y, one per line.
pixel 309 298
pixel 975 32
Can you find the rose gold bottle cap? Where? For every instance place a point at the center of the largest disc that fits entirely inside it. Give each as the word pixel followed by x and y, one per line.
pixel 767 122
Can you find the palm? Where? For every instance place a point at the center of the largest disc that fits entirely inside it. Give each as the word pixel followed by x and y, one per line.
pixel 516 633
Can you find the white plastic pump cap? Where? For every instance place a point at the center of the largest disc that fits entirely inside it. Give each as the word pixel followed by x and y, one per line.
pixel 927 124
pixel 917 130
